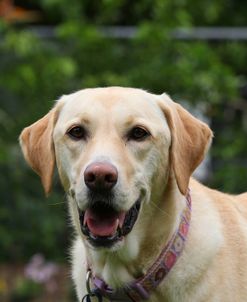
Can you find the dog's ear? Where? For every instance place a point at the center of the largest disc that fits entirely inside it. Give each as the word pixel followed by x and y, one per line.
pixel 191 139
pixel 37 146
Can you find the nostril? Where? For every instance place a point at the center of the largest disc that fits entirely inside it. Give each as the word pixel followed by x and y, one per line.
pixel 111 178
pixel 90 177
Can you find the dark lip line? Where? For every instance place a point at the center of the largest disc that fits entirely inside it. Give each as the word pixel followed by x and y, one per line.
pixel 129 222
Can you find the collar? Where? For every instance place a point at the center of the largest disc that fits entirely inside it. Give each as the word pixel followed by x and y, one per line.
pixel 141 288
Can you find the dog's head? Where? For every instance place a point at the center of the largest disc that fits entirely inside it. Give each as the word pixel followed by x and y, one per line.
pixel 115 149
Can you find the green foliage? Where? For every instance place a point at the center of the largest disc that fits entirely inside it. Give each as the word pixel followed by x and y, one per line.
pixel 35 72
pixel 26 290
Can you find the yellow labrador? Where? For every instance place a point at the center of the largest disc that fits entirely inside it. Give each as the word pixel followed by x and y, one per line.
pixel 145 229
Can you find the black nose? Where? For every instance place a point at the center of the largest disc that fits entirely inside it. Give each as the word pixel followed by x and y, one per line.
pixel 100 176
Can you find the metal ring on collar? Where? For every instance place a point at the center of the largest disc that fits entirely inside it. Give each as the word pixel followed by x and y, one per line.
pixel 88 279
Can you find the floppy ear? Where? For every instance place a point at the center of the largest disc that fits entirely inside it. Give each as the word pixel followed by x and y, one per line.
pixel 191 139
pixel 37 146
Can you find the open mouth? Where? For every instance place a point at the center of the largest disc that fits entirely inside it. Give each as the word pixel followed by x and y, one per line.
pixel 103 225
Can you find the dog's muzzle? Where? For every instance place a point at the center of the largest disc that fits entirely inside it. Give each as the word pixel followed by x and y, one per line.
pixel 102 222
pixel 103 225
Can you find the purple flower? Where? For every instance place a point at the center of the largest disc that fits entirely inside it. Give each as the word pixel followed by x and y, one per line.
pixel 40 271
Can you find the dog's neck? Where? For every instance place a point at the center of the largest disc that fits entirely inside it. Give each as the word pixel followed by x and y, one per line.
pixel 136 255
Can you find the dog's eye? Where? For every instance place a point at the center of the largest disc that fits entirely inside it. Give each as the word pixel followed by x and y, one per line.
pixel 138 134
pixel 77 132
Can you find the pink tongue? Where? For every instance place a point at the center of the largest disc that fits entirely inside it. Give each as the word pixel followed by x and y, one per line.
pixel 103 226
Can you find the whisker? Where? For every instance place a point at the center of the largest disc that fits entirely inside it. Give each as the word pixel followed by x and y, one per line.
pixel 55 204
pixel 61 202
pixel 162 211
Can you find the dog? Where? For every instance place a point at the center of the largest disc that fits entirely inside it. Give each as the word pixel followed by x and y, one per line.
pixel 146 230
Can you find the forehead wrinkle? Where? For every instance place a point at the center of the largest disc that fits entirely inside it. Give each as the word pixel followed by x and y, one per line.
pixel 130 120
pixel 137 121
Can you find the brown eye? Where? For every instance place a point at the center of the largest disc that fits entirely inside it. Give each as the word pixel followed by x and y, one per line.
pixel 138 134
pixel 77 132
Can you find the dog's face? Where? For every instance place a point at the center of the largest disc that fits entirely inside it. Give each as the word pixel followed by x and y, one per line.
pixel 109 145
pixel 115 149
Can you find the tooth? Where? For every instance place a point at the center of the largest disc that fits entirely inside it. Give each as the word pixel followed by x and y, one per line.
pixel 84 219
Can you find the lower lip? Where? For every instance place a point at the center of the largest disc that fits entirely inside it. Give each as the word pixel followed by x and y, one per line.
pixel 105 242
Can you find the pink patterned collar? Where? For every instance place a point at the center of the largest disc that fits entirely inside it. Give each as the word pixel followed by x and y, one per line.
pixel 141 288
